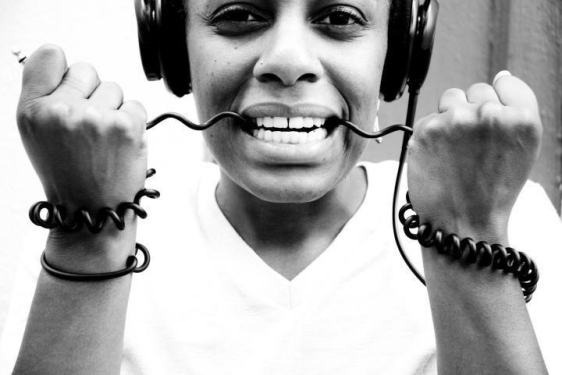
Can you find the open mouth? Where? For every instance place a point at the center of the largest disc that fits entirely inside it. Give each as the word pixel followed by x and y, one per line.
pixel 289 130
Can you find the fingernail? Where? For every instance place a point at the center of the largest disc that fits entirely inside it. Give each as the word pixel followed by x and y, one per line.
pixel 503 73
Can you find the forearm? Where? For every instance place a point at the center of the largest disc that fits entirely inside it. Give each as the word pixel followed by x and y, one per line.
pixel 481 322
pixel 77 327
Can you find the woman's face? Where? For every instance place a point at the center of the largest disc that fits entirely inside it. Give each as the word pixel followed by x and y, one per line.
pixel 288 65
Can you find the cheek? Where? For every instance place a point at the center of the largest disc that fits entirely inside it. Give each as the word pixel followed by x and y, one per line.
pixel 357 75
pixel 218 72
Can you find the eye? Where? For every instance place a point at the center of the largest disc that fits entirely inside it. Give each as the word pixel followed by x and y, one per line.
pixel 340 16
pixel 237 19
pixel 341 22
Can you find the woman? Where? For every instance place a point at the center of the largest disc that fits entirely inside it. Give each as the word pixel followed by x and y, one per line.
pixel 325 298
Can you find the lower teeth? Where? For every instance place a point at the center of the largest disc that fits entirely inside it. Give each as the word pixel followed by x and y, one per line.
pixel 290 137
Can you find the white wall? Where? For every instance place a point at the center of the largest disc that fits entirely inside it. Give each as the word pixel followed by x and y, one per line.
pixel 102 32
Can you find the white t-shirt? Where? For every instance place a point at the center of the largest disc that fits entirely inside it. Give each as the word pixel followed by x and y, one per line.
pixel 208 304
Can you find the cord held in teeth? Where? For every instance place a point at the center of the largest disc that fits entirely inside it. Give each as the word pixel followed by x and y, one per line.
pixel 330 122
pixel 334 121
pixel 190 124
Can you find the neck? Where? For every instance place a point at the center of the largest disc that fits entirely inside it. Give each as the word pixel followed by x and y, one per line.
pixel 289 236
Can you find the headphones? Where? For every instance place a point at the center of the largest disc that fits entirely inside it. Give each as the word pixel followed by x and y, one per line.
pixel 411 30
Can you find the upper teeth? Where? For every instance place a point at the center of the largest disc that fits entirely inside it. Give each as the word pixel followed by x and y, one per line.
pixel 290 122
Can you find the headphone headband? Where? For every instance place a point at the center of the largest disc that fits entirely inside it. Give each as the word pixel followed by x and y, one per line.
pixel 411 31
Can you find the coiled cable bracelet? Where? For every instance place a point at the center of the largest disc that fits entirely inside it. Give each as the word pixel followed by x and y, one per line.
pixel 57 218
pixel 57 214
pixel 131 266
pixel 483 254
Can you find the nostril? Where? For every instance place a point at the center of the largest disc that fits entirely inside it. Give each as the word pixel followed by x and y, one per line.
pixel 269 77
pixel 309 77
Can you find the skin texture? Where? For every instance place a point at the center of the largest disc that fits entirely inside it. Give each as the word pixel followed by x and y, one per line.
pixel 289 63
pixel 288 202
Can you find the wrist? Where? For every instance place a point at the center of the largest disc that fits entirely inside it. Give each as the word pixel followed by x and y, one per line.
pixel 86 252
pixel 492 229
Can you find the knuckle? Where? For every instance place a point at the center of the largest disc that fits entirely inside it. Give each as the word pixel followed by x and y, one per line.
pixel 135 107
pixel 428 130
pixel 91 119
pixel 125 128
pixel 457 117
pixel 489 113
pixel 528 124
pixel 58 113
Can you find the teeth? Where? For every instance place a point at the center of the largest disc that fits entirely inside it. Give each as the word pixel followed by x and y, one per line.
pixel 290 137
pixel 267 129
pixel 292 122
pixel 296 122
pixel 280 122
pixel 318 121
pixel 268 122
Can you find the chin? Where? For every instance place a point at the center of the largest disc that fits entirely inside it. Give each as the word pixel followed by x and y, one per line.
pixel 292 189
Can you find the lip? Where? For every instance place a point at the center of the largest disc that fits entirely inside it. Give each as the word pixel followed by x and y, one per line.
pixel 271 109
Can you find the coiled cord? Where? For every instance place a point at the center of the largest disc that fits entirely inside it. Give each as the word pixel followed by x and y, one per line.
pixel 57 215
pixel 468 251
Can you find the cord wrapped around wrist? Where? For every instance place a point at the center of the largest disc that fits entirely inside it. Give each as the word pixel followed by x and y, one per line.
pixel 131 266
pixel 57 217
pixel 480 253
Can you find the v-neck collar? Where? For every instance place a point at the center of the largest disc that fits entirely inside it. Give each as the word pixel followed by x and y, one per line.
pixel 255 276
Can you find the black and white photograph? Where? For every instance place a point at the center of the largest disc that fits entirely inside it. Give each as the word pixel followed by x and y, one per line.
pixel 281 187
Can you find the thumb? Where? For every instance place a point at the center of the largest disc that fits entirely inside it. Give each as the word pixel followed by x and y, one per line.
pixel 43 72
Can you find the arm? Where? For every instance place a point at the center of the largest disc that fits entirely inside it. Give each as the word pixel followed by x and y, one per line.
pixel 77 327
pixel 467 165
pixel 88 149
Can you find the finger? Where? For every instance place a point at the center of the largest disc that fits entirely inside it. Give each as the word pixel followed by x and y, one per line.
pixel 135 110
pixel 512 91
pixel 481 93
pixel 108 95
pixel 81 79
pixel 451 98
pixel 43 72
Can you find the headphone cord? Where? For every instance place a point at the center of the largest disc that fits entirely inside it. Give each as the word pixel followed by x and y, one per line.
pixel 412 105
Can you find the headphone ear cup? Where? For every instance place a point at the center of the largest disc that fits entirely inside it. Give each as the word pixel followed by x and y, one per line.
pixel 423 45
pixel 148 44
pixel 402 25
pixel 163 43
pixel 172 41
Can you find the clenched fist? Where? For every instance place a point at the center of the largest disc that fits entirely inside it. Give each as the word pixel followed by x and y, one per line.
pixel 468 163
pixel 87 146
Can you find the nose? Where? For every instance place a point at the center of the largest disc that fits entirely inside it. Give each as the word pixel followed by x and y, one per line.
pixel 288 57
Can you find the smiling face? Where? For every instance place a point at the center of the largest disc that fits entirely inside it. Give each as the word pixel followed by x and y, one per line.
pixel 288 65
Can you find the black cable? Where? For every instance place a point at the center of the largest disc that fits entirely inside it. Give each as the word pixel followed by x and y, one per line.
pixel 410 117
